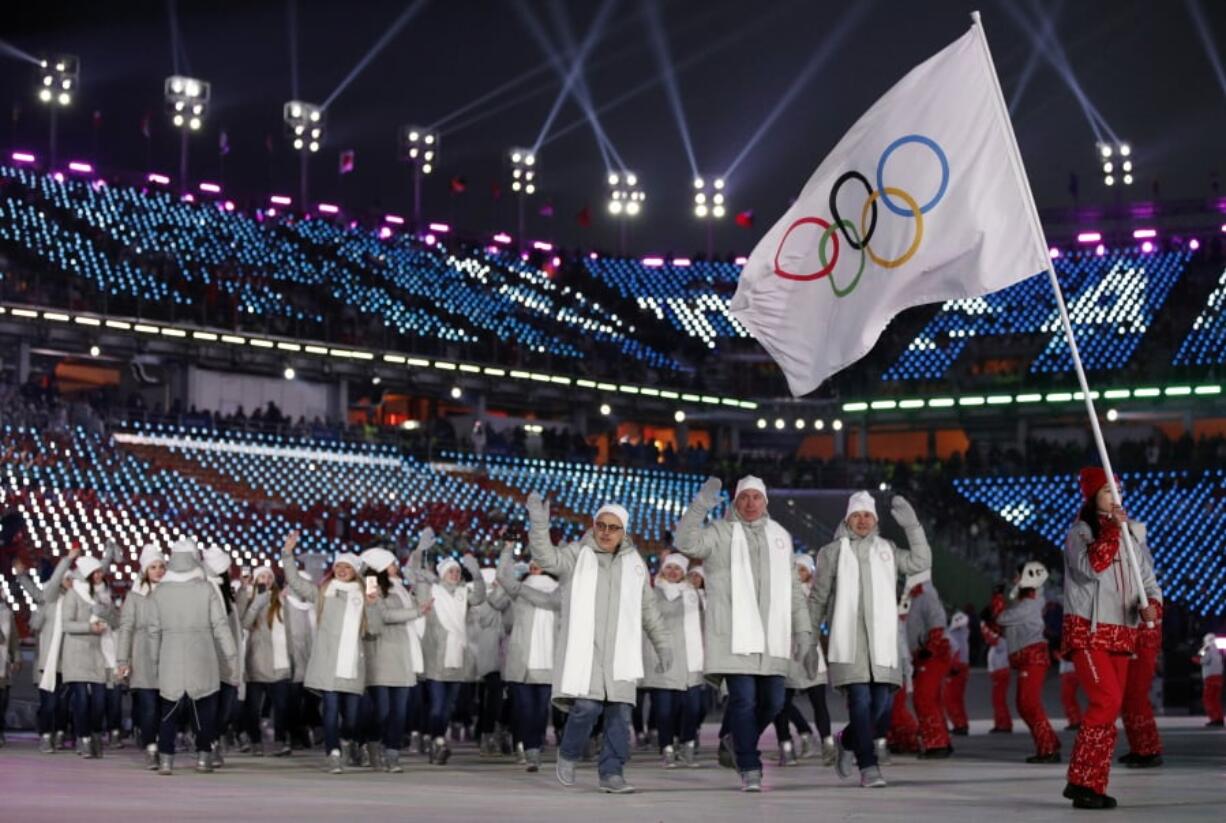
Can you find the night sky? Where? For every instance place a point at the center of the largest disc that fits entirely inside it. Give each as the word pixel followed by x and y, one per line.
pixel 1141 64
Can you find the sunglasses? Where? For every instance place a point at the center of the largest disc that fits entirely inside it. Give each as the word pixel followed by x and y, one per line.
pixel 610 528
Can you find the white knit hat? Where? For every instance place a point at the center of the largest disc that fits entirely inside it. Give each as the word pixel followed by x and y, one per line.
pixel 216 560
pixel 87 565
pixel 184 544
pixel 698 571
pixel 149 555
pixel 617 511
pixel 914 580
pixel 349 559
pixel 378 559
pixel 446 563
pixel 258 570
pixel 676 559
pixel 861 502
pixel 749 482
pixel 807 561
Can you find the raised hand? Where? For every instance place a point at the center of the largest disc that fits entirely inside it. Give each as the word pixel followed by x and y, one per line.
pixel 538 510
pixel 291 542
pixel 708 495
pixel 903 514
pixel 426 539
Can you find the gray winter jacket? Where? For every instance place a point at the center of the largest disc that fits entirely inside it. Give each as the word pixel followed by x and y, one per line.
pixel 434 644
pixel 133 645
pixel 81 659
pixel 1022 621
pixel 712 544
pixel 321 669
pixel 927 614
pixel 45 597
pixel 302 634
pixel 389 661
pixel 918 559
pixel 522 601
pixel 1109 596
pixel 797 677
pixel 261 664
pixel 233 669
pixel 678 677
pixel 560 561
pixel 188 630
pixel 485 636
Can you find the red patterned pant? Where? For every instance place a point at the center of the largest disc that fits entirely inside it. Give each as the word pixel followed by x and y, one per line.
pixel 954 693
pixel 904 731
pixel 1139 722
pixel 1030 677
pixel 1068 696
pixel 1000 700
pixel 1103 676
pixel 1212 696
pixel 929 675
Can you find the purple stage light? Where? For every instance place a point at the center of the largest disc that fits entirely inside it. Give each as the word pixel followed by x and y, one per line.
pixel 81 167
pixel 681 261
pixel 385 232
pixel 541 245
pixel 1053 252
pixel 1147 247
pixel 653 262
pixel 1193 244
pixel 1089 237
pixel 329 208
pixel 160 179
pixel 440 228
pixel 503 238
pixel 23 157
pixel 1100 250
pixel 394 219
pixel 740 261
pixel 211 188
pixel 280 200
pixel 1144 234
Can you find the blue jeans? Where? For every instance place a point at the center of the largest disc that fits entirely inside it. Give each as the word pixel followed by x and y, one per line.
pixel 583 716
pixel 201 714
pixel 145 714
pixel 753 702
pixel 676 714
pixel 442 697
pixel 278 694
pixel 340 711
pixel 53 708
pixel 530 712
pixel 227 696
pixel 88 708
pixel 868 709
pixel 391 706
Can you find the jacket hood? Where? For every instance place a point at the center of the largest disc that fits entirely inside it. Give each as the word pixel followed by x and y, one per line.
pixel 183 562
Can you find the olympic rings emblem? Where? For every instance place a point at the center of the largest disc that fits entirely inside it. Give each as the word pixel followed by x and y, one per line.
pixel 859 236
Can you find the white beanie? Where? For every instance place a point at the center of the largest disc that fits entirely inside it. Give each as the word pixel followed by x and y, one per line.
pixel 488 575
pixel 258 570
pixel 149 555
pixel 861 502
pixel 378 559
pixel 807 561
pixel 184 544
pixel 914 580
pixel 749 482
pixel 87 565
pixel 676 559
pixel 698 571
pixel 216 561
pixel 446 563
pixel 349 559
pixel 617 511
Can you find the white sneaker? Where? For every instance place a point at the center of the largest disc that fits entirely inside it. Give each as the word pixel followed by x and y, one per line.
pixel 845 761
pixel 668 757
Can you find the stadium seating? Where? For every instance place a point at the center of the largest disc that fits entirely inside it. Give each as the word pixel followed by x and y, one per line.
pixel 1205 343
pixel 1112 301
pixel 1184 512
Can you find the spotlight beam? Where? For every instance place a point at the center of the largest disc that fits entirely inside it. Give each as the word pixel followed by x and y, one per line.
pixel 659 44
pixel 582 93
pixel 830 43
pixel 7 48
pixel 1206 38
pixel 1032 62
pixel 405 16
pixel 291 23
pixel 733 35
pixel 576 68
pixel 178 52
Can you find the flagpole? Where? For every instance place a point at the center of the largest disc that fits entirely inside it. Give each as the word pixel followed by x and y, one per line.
pixel 1130 551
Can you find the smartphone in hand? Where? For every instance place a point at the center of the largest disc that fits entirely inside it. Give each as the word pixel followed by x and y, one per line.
pixel 372 584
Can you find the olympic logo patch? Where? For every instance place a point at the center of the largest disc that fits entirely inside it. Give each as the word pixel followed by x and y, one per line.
pixel 859 237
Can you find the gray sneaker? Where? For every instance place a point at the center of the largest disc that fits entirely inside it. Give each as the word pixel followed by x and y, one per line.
pixel 566 771
pixel 204 762
pixel 787 754
pixel 615 784
pixel 829 753
pixel 883 751
pixel 808 746
pixel 751 781
pixel 151 757
pixel 668 757
pixel 335 766
pixel 166 764
pixel 391 761
pixel 521 758
pixel 45 745
pixel 85 747
pixel 532 759
pixel 374 754
pixel 687 755
pixel 216 754
pixel 441 753
pixel 844 761
pixel 871 778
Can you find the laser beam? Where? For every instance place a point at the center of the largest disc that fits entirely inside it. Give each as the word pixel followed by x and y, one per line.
pixel 659 44
pixel 1206 39
pixel 399 23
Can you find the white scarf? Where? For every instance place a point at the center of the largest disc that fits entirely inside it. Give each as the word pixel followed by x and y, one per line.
pixel 748 636
pixel 51 666
pixel 349 645
pixel 280 643
pixel 451 608
pixel 544 624
pixel 883 641
pixel 106 640
pixel 416 658
pixel 692 624
pixel 581 628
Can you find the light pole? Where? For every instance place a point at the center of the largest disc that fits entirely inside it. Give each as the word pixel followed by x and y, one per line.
pixel 57 83
pixel 709 207
pixel 419 148
pixel 625 202
pixel 1110 154
pixel 304 126
pixel 187 102
pixel 523 184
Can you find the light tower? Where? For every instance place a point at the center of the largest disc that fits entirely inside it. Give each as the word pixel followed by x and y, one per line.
pixel 709 206
pixel 57 86
pixel 304 126
pixel 523 183
pixel 187 102
pixel 1117 163
pixel 418 147
pixel 626 200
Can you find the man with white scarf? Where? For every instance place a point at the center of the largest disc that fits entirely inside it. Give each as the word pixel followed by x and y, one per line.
pixel 607 605
pixel 757 615
pixel 854 594
pixel 51 715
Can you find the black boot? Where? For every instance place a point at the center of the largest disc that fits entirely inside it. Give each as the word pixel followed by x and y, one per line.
pixel 1085 798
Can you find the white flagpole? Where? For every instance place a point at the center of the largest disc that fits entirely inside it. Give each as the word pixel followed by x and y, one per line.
pixel 1130 551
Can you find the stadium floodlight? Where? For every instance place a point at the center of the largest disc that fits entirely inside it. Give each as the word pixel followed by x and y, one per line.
pixel 709 199
pixel 523 180
pixel 418 146
pixel 187 103
pixel 304 128
pixel 58 76
pixel 625 196
pixel 1116 160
